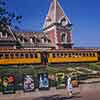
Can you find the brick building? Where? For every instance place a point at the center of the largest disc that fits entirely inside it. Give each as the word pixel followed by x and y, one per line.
pixel 56 33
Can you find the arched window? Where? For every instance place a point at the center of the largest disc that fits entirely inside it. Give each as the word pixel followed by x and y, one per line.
pixel 42 40
pixel 34 39
pixel 63 37
pixel 4 35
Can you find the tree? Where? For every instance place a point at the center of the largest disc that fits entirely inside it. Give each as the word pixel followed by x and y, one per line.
pixel 7 18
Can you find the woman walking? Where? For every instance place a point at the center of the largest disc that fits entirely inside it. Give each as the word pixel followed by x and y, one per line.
pixel 69 86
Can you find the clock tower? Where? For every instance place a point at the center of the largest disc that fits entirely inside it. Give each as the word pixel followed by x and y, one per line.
pixel 58 27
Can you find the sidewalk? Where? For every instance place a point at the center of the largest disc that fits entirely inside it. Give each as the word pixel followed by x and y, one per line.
pixel 20 95
pixel 53 92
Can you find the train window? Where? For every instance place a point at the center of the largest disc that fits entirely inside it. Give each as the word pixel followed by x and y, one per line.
pixel 61 54
pixel 94 54
pixel 69 54
pixel 36 56
pixel 26 55
pixel 76 54
pixel 83 54
pixel 72 54
pixel 31 55
pixel 6 56
pixel 11 55
pixel 21 55
pixel 90 54
pixel 87 54
pixel 57 54
pixel 65 55
pixel 1 55
pixel 79 54
pixel 17 55
pixel 53 55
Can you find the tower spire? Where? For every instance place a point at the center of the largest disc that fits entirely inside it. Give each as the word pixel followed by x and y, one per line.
pixel 55 14
pixel 57 26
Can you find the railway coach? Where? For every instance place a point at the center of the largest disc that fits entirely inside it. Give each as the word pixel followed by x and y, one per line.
pixel 30 56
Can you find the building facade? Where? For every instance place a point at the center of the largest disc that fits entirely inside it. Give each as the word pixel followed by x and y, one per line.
pixel 57 32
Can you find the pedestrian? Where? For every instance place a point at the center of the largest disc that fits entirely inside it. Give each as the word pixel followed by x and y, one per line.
pixel 69 86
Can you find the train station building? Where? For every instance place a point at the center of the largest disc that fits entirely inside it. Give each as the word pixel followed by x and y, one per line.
pixel 57 32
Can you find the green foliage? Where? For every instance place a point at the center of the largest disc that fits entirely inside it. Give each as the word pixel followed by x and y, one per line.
pixel 94 66
pixel 6 17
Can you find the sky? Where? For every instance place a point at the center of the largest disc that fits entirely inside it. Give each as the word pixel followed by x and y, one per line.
pixel 83 14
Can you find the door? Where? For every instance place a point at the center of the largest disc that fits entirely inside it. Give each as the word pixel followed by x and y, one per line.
pixel 44 58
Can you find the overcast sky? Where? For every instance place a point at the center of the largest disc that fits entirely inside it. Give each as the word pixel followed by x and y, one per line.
pixel 83 14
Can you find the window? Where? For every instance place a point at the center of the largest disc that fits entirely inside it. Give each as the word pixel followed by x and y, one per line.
pixel 83 54
pixel 36 56
pixel 1 55
pixel 53 55
pixel 16 55
pixel 26 55
pixel 34 39
pixel 11 55
pixel 31 55
pixel 65 55
pixel 80 54
pixel 94 54
pixel 69 54
pixel 61 54
pixel 57 54
pixel 22 55
pixel 87 54
pixel 6 56
pixel 63 37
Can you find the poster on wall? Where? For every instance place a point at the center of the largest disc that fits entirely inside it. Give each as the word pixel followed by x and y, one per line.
pixel 43 81
pixel 28 83
pixel 8 84
pixel 60 80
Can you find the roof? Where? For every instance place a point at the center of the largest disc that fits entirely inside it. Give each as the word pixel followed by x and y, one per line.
pixel 24 39
pixel 55 14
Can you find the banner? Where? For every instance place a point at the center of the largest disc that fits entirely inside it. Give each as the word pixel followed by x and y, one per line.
pixel 8 84
pixel 60 80
pixel 43 81
pixel 28 83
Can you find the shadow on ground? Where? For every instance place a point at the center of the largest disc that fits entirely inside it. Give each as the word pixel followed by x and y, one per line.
pixel 56 97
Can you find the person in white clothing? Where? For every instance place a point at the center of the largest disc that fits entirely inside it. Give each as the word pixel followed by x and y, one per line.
pixel 69 86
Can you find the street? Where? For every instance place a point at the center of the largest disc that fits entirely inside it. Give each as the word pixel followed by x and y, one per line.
pixel 84 92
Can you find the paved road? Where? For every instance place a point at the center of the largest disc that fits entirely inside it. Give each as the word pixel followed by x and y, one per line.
pixel 84 92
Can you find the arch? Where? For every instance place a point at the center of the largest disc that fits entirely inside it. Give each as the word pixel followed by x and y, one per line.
pixel 63 37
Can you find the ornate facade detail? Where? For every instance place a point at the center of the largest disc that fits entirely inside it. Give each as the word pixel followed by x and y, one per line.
pixel 56 32
pixel 56 23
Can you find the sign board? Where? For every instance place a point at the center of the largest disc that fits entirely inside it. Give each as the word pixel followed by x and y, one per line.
pixel 28 83
pixel 8 84
pixel 60 80
pixel 43 81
